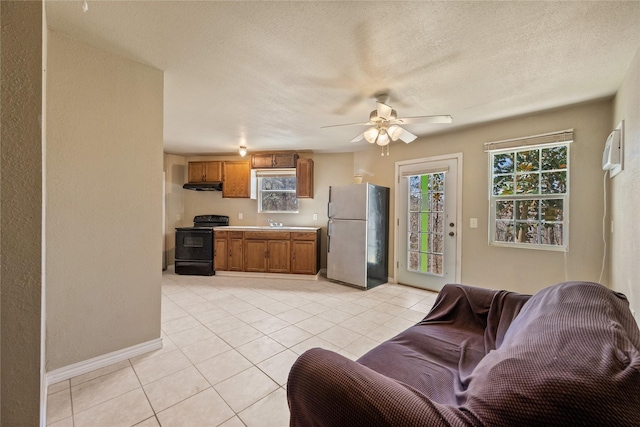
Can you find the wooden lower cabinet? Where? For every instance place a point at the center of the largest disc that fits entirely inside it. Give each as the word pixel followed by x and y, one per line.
pixel 274 251
pixel 303 257
pixel 236 257
pixel 255 256
pixel 220 251
pixel 278 256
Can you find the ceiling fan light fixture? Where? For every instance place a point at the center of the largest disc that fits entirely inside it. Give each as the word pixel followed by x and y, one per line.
pixel 383 138
pixel 394 132
pixel 371 134
pixel 242 150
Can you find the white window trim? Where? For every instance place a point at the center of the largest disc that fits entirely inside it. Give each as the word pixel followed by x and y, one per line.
pixel 521 144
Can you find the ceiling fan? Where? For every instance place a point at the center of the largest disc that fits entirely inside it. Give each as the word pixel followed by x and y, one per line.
pixel 385 124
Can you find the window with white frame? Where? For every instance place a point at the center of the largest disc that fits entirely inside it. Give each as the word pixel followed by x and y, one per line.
pixel 277 191
pixel 529 191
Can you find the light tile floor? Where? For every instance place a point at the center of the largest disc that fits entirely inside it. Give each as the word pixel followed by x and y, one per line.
pixel 229 343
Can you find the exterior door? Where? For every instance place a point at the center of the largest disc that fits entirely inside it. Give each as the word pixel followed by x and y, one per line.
pixel 427 229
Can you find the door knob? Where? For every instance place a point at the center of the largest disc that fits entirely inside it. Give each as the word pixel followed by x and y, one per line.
pixel 451 233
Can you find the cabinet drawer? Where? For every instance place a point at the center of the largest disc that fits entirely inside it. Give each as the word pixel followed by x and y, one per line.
pixel 304 235
pixel 267 235
pixel 220 234
pixel 235 234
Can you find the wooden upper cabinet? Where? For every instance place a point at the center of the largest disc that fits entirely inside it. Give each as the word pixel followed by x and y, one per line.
pixel 236 179
pixel 206 171
pixel 274 160
pixel 304 179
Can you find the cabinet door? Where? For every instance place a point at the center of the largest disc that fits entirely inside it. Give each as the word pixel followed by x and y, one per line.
pixel 236 260
pixel 304 179
pixel 278 256
pixel 213 171
pixel 285 160
pixel 220 254
pixel 236 177
pixel 255 255
pixel 261 161
pixel 303 257
pixel 196 172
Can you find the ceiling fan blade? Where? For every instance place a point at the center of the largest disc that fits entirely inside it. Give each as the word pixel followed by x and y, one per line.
pixel 384 111
pixel 425 119
pixel 407 136
pixel 358 138
pixel 348 124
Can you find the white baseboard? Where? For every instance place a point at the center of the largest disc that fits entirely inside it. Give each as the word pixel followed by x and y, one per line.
pixel 98 362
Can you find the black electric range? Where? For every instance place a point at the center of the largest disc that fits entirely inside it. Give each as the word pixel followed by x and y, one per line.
pixel 194 245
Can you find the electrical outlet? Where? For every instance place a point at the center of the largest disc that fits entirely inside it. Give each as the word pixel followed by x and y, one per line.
pixel 178 217
pixel 240 215
pixel 473 223
pixel 315 217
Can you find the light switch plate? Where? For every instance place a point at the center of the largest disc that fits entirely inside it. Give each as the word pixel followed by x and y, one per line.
pixel 473 223
pixel 315 217
pixel 240 215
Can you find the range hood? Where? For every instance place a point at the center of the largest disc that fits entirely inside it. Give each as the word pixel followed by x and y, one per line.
pixel 204 186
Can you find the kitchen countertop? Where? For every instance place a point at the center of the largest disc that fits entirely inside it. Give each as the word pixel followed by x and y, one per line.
pixel 264 228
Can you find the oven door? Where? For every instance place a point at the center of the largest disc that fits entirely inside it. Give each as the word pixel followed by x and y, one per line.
pixel 194 244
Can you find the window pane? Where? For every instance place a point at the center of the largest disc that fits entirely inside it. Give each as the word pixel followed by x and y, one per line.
pixel 414 221
pixel 504 231
pixel 436 264
pixel 424 242
pixel 279 183
pixel 528 161
pixel 503 163
pixel 279 202
pixel 438 222
pixel 504 209
pixel 554 158
pixel 552 210
pixel 414 184
pixel 554 183
pixel 414 202
pixel 438 242
pixel 527 210
pixel 437 182
pixel 413 242
pixel 551 234
pixel 437 202
pixel 502 185
pixel 414 261
pixel 527 183
pixel 526 232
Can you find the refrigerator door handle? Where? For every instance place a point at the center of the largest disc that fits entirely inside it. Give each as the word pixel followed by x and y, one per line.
pixel 328 236
pixel 329 209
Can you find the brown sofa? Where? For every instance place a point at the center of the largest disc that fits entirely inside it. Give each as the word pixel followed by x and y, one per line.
pixel 569 355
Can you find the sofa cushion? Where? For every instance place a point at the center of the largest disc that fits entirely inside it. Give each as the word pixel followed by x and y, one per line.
pixel 437 355
pixel 571 357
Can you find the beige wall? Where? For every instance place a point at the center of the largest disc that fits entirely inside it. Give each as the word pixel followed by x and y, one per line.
pixel 522 270
pixel 175 168
pixel 104 202
pixel 330 169
pixel 625 192
pixel 20 211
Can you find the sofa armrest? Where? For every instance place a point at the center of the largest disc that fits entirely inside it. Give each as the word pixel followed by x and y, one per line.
pixel 327 389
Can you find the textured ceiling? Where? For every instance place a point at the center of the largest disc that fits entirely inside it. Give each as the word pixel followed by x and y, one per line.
pixel 269 74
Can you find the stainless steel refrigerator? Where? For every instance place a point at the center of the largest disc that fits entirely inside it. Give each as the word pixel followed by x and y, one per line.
pixel 358 235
